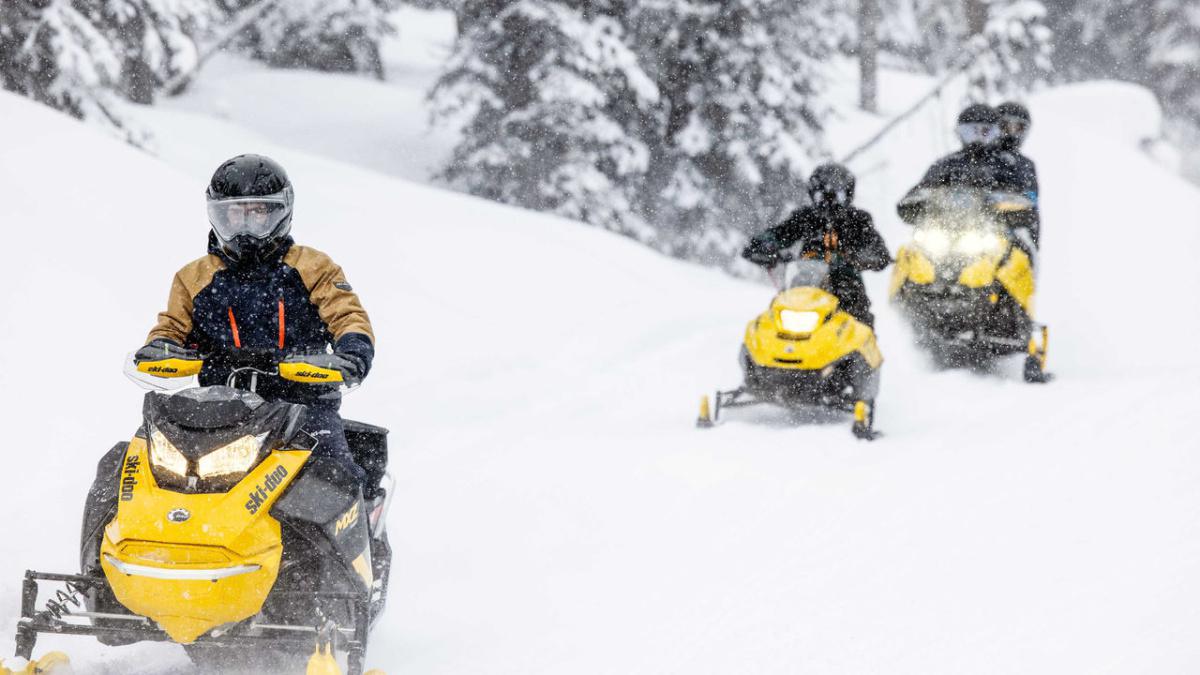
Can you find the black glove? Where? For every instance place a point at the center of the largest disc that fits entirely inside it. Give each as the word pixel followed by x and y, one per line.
pixel 766 258
pixel 160 349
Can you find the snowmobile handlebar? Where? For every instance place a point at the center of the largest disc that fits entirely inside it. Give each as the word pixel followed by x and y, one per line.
pixel 304 367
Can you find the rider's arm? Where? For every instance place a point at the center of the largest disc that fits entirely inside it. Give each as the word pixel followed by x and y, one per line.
pixel 336 302
pixel 867 251
pixel 1027 183
pixel 175 322
pixel 766 246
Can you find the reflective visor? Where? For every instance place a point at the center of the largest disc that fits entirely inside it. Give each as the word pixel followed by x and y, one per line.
pixel 254 216
pixel 978 132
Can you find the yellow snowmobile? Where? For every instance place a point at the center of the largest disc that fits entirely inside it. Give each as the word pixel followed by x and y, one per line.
pixel 214 527
pixel 804 351
pixel 966 281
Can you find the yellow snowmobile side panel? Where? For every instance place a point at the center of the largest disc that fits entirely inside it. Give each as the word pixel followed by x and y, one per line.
pixel 836 336
pixel 1017 278
pixel 911 265
pixel 193 562
pixel 171 367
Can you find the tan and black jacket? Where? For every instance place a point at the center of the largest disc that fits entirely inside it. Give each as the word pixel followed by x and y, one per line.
pixel 296 301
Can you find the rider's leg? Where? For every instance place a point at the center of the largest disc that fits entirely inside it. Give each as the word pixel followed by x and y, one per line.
pixel 853 299
pixel 326 426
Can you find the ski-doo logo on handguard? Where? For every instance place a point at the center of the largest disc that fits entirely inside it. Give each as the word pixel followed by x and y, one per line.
pixel 262 492
pixel 162 369
pixel 129 477
pixel 313 374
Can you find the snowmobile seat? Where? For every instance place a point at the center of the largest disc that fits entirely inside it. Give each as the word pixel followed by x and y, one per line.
pixel 368 445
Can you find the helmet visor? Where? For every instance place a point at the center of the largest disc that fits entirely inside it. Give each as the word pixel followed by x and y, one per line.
pixel 831 197
pixel 257 217
pixel 978 132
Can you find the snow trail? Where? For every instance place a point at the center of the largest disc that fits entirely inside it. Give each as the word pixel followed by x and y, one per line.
pixel 556 511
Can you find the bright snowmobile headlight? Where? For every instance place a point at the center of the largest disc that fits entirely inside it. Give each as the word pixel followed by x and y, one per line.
pixel 935 242
pixel 235 458
pixel 164 455
pixel 976 243
pixel 799 322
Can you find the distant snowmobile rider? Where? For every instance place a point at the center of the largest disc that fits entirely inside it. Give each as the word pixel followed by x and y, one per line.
pixel 981 163
pixel 257 291
pixel 829 227
pixel 1015 121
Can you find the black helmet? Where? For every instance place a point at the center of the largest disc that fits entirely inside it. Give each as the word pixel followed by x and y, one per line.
pixel 978 125
pixel 1014 124
pixel 831 185
pixel 250 203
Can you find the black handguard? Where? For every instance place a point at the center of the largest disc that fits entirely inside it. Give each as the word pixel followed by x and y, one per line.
pixel 160 349
pixel 351 367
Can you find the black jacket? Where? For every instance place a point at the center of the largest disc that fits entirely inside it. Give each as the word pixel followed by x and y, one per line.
pixel 1026 177
pixel 857 243
pixel 986 167
pixel 845 230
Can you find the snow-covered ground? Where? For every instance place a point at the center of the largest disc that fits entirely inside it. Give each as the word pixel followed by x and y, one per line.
pixel 556 510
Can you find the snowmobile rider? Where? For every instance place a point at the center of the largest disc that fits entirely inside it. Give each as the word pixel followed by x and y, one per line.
pixel 256 290
pixel 1015 121
pixel 829 227
pixel 980 163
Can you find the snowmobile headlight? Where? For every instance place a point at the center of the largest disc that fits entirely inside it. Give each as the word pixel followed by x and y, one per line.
pixel 235 458
pixel 164 455
pixel 977 243
pixel 799 322
pixel 936 242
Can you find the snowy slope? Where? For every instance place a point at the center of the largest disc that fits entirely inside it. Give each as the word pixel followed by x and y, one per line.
pixel 381 126
pixel 557 512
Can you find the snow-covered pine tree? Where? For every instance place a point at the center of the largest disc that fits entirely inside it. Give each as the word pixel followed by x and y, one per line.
pixel 326 35
pixel 1014 51
pixel 554 102
pixel 77 55
pixel 941 32
pixel 1101 38
pixel 686 124
pixel 740 90
pixel 1173 60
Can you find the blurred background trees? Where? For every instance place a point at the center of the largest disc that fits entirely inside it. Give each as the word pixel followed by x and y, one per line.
pixel 683 123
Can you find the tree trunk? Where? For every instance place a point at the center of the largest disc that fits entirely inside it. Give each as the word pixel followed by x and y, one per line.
pixel 868 53
pixel 977 15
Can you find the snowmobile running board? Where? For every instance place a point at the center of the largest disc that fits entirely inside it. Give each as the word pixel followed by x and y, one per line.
pixel 67 604
pixel 743 398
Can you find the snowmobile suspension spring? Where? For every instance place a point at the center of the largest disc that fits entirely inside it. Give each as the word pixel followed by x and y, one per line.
pixel 59 606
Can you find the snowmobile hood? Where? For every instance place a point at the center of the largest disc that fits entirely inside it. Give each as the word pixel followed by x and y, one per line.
pixel 806 299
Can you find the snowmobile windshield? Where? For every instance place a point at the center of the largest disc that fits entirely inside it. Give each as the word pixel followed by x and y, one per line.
pixel 982 133
pixel 257 217
pixel 808 273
